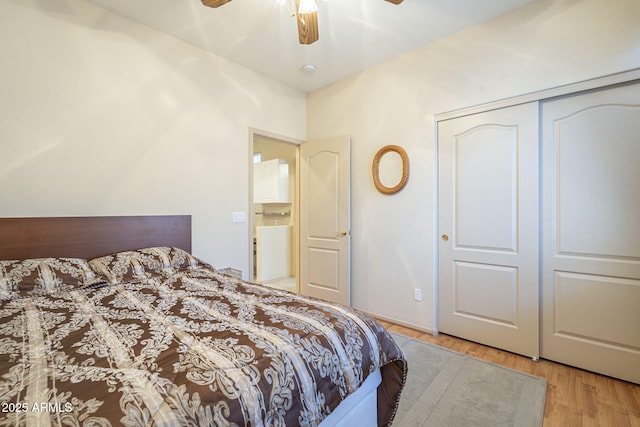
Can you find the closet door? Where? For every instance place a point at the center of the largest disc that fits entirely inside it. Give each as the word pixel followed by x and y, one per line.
pixel 488 219
pixel 591 231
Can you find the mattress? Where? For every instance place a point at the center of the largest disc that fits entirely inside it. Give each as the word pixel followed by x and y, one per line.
pixel 159 337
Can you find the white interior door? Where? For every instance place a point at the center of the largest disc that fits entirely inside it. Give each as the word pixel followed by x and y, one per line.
pixel 488 219
pixel 325 200
pixel 591 229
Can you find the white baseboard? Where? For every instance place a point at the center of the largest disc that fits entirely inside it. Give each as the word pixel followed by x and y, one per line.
pixel 399 322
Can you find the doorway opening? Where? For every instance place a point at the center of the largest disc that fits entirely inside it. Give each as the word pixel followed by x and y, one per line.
pixel 274 257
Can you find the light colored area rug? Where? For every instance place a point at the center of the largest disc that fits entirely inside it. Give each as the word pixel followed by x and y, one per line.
pixel 446 388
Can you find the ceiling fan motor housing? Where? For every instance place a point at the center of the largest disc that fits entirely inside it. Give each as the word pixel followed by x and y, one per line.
pixel 307 22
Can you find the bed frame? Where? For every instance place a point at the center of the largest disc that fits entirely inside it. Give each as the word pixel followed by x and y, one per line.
pixel 91 236
pixel 94 236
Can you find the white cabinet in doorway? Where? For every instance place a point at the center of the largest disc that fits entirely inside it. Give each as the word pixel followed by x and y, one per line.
pixel 271 182
pixel 274 246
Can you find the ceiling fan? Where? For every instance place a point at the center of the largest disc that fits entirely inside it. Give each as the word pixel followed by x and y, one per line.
pixel 307 17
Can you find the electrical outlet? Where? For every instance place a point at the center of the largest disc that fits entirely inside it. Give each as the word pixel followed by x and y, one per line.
pixel 417 294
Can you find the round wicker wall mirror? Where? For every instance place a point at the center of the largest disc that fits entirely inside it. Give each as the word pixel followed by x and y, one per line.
pixel 381 184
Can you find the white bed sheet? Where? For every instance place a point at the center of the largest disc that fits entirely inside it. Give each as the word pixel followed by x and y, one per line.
pixel 360 409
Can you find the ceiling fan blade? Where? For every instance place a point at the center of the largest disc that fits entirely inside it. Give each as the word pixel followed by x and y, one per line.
pixel 395 1
pixel 214 3
pixel 307 26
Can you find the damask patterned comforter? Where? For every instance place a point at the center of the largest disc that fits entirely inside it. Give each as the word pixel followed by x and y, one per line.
pixel 157 337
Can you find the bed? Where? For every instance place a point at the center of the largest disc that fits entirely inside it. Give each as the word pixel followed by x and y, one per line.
pixel 112 321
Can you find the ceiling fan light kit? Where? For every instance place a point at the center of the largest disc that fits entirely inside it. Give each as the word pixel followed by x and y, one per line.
pixel 306 15
pixel 307 6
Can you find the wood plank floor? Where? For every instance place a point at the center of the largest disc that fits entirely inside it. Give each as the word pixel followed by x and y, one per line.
pixel 574 397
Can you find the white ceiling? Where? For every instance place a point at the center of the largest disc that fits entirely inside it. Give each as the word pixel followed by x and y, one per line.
pixel 354 34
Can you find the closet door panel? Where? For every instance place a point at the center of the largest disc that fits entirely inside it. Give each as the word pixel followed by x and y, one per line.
pixel 596 167
pixel 488 217
pixel 591 231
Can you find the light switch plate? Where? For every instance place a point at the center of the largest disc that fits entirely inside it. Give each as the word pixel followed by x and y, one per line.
pixel 240 216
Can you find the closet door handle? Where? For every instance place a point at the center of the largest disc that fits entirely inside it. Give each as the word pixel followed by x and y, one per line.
pixel 342 233
pixel 444 237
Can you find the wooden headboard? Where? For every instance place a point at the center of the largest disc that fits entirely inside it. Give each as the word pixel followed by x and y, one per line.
pixel 90 237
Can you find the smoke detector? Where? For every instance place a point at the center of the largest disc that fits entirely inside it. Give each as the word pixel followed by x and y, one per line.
pixel 308 69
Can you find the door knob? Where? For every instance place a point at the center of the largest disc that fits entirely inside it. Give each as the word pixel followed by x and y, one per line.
pixel 445 237
pixel 342 233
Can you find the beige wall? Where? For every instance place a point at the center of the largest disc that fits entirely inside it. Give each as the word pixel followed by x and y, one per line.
pixel 546 44
pixel 102 116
